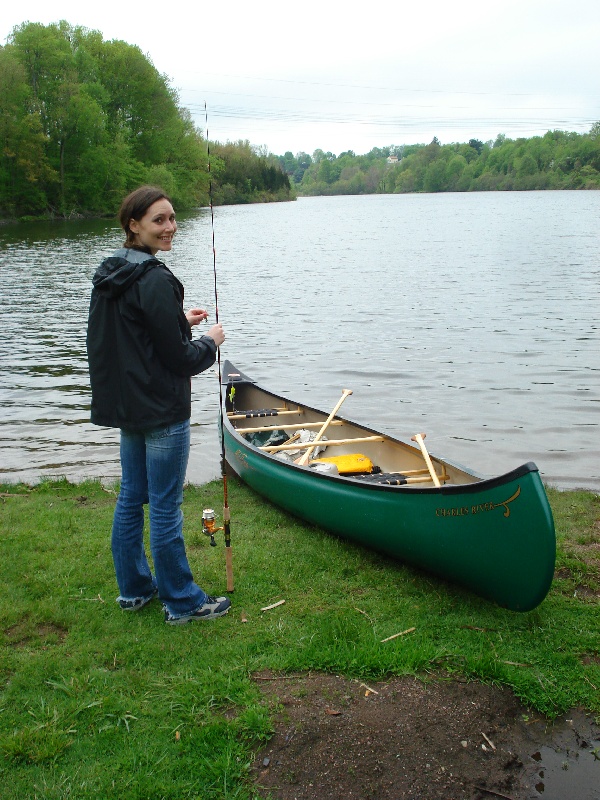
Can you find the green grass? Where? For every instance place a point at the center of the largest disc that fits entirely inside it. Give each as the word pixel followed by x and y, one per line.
pixel 96 703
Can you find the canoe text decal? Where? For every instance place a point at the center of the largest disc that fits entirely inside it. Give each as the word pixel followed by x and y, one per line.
pixel 242 457
pixel 479 508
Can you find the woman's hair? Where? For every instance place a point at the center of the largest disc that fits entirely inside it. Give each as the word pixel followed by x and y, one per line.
pixel 135 205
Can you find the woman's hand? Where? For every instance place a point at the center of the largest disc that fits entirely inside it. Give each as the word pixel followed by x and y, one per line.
pixel 196 315
pixel 217 334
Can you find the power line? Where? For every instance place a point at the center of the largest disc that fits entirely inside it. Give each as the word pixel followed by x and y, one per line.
pixel 337 101
pixel 405 121
pixel 369 87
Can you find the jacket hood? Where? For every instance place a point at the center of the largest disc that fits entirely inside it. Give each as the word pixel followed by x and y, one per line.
pixel 116 273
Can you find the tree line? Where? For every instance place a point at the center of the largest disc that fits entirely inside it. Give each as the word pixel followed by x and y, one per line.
pixel 557 160
pixel 83 121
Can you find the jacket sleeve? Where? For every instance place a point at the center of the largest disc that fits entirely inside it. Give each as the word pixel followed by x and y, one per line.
pixel 168 329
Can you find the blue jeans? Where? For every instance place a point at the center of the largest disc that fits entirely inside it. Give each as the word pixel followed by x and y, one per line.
pixel 153 465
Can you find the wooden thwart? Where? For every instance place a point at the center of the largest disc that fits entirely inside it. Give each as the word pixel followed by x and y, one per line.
pixel 327 443
pixel 423 475
pixel 426 479
pixel 410 472
pixel 284 426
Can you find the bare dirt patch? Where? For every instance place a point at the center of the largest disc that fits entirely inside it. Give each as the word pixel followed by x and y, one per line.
pixel 337 738
pixel 21 634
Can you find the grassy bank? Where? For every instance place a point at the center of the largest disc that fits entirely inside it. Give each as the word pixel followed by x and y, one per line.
pixel 99 703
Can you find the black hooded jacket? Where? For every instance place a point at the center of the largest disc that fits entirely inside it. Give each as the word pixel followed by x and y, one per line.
pixel 140 350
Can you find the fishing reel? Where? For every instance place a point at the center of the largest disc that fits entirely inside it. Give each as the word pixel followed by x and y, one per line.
pixel 209 527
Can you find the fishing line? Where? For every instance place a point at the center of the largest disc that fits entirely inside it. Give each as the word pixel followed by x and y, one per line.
pixel 226 511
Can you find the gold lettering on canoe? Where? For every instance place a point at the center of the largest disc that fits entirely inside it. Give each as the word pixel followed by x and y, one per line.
pixel 479 508
pixel 452 512
pixel 506 502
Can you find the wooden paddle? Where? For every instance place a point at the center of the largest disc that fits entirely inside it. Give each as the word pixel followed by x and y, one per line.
pixel 418 438
pixel 304 458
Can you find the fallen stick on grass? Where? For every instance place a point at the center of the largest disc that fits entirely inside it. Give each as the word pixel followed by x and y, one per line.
pixel 96 599
pixel 278 603
pixel 590 683
pixel 395 636
pixel 364 613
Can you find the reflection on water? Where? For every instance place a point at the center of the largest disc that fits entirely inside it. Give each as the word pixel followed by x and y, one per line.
pixel 472 317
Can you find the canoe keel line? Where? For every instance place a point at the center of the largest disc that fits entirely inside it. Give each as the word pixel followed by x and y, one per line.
pixel 492 536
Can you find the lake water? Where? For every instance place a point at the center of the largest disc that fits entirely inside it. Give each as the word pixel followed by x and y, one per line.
pixel 471 317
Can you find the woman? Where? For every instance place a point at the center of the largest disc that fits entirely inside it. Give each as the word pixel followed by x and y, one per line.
pixel 141 358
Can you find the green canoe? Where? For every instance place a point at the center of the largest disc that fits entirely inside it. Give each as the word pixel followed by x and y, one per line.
pixel 493 536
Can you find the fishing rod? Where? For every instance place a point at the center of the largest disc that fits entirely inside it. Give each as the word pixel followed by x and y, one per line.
pixel 208 515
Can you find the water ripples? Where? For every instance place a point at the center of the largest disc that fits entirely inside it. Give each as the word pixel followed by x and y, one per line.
pixel 472 317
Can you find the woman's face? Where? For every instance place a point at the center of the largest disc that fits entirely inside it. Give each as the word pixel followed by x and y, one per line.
pixel 156 228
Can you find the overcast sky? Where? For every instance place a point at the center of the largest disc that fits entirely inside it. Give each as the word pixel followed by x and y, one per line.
pixel 338 76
